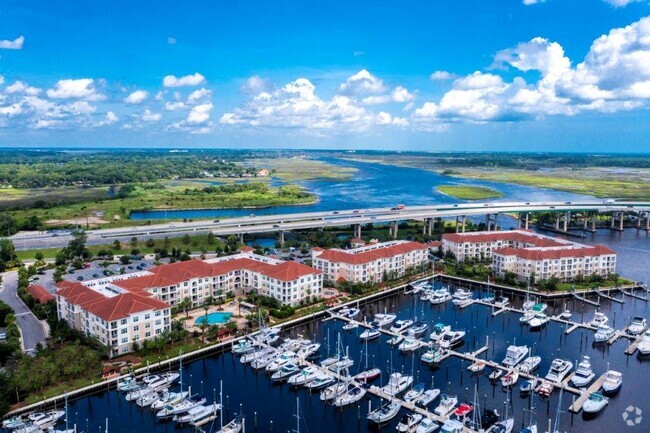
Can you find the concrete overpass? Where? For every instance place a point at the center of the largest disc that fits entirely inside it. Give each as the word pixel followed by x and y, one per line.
pixel 357 218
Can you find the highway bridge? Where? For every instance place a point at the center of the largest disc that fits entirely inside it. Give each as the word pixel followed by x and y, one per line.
pixel 357 218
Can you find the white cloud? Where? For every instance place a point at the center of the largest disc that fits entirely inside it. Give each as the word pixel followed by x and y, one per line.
pixel 614 76
pixel 532 2
pixel 358 53
pixel 23 88
pixel 255 85
pixel 160 95
pixel 11 110
pixel 80 107
pixel 171 41
pixel 297 106
pixel 15 44
pixel 442 76
pixel 136 97
pixel 199 114
pixel 173 106
pixel 620 3
pixel 83 88
pixel 187 80
pixel 199 95
pixel 148 116
pixel 398 94
pixel 361 83
pixel 2 79
pixel 111 117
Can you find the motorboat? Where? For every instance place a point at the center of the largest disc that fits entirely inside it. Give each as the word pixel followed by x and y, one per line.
pixel 32 428
pixel 409 422
pixel 447 404
pixel 368 375
pixel 396 340
pixel 528 304
pixel 382 320
pixel 384 413
pixel 566 315
pixel 321 381
pixel 139 393
pixel 528 386
pixel 414 393
pixel 463 410
pixel 583 374
pixel 400 326
pixel 427 397
pixel 461 301
pixel 599 319
pixel 514 355
pixel 234 426
pixel 163 381
pixel 352 395
pixel 433 355
pixel 510 378
pixel 198 414
pixel 397 383
pixel 180 407
pixel 352 313
pixel 419 287
pixel 425 295
pixel 477 367
pixel 264 361
pixel 281 360
pixel 409 344
pixel 527 317
pixel 439 296
pixel 559 369
pixel 644 345
pixel 538 321
pixel 426 426
pixel 504 426
pixel 439 329
pixel 148 399
pixel 129 383
pixel 501 302
pixel 595 403
pixel 462 294
pixel 546 388
pixel 244 346
pixel 452 426
pixel 256 354
pixel 45 419
pixel 418 329
pixel 342 364
pixel 305 375
pixel 613 382
pixel 169 399
pixel 350 326
pixel 369 334
pixel 603 333
pixel 495 374
pixel 530 364
pixel 285 372
pixel 15 422
pixel 308 350
pixel 488 297
pixel 333 391
pixel 638 325
pixel 452 339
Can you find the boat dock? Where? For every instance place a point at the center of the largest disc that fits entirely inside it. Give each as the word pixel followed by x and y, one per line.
pixel 576 406
pixel 585 300
pixel 634 295
pixel 633 345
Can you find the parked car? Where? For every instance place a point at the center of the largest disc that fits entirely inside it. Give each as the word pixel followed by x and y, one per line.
pixel 3 336
pixel 80 278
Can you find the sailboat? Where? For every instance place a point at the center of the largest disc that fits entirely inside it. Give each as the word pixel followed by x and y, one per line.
pixel 506 424
pixel 532 425
pixel 367 374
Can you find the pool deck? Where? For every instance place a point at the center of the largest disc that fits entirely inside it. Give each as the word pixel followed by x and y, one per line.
pixel 192 315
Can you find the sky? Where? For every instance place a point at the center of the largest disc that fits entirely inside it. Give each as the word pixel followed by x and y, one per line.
pixel 428 75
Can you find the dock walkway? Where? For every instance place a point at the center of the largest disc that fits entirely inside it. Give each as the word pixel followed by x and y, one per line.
pixel 577 404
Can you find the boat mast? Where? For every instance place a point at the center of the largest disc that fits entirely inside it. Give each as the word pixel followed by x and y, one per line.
pixel 221 402
pixel 557 413
pixel 297 415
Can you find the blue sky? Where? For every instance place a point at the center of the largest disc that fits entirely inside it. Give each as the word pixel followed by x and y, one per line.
pixel 563 75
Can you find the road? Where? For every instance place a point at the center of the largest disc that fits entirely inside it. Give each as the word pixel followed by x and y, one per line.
pixel 275 223
pixel 31 328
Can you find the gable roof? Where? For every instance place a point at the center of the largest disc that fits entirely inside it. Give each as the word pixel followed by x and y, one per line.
pixel 40 293
pixel 336 255
pixel 504 236
pixel 547 254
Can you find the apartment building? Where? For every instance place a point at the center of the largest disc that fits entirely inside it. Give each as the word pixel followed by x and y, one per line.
pixel 369 263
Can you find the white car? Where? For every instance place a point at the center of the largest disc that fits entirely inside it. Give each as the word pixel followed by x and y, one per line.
pixel 3 336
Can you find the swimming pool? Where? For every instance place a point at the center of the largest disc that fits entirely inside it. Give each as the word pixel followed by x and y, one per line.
pixel 217 318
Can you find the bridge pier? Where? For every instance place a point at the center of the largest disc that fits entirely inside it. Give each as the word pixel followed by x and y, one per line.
pixel 464 221
pixel 428 226
pixel 241 238
pixel 357 231
pixel 567 218
pixel 647 221
pixel 557 221
pixel 489 221
pixel 281 237
pixel 621 219
pixel 393 229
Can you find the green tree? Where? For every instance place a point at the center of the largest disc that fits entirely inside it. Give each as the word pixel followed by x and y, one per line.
pixel 77 245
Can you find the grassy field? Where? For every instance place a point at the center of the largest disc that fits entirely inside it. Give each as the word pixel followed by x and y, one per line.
pixel 469 192
pixel 297 168
pixel 166 195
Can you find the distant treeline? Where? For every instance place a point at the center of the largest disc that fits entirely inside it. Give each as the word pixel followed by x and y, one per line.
pixel 37 169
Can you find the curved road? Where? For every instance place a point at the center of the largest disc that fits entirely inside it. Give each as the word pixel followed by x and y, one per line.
pixel 32 330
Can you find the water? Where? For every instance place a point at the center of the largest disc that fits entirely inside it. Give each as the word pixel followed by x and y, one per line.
pixel 273 405
pixel 373 185
pixel 216 318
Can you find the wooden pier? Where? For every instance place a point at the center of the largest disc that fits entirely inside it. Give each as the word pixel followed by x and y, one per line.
pixel 634 295
pixel 585 300
pixel 634 344
pixel 584 395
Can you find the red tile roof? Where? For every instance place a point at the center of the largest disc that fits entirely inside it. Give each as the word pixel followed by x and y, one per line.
pixel 40 293
pixel 109 309
pixel 547 254
pixel 371 255
pixel 247 249
pixel 505 236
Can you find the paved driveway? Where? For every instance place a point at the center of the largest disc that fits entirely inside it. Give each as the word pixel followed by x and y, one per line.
pixel 31 328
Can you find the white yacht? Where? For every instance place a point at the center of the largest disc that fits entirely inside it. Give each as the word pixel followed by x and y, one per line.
pixel 451 339
pixel 395 341
pixel 256 354
pixel 342 364
pixel 427 397
pixel 439 329
pixel 613 381
pixel 433 355
pixel 599 319
pixel 139 393
pixel 333 391
pixel 308 350
pixel 163 381
pixel 584 374
pixel 418 329
pixel 638 326
pixel 414 393
pixel 603 333
pixel 440 296
pixel 350 326
pixel 305 375
pixel 198 414
pixel 234 426
pixel 180 407
pixel 447 404
pixel 46 419
pixel 530 364
pixel 129 383
pixel 595 403
pixel 452 426
pixel 538 321
pixel 169 399
pixel 244 346
pixel 397 383
pixel 352 395
pixel 462 294
pixel 281 360
pixel 426 426
pixel 409 422
pixel 514 355
pixel 527 317
pixel 148 399
pixel 369 334
pixel 409 344
pixel 384 413
pixel 264 361
pixel 510 378
pixel 559 369
pixel 501 302
pixel 400 326
pixel 323 380
pixel 382 320
pixel 644 344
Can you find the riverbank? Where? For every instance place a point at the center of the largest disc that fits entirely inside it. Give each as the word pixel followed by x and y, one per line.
pixel 300 169
pixel 469 192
